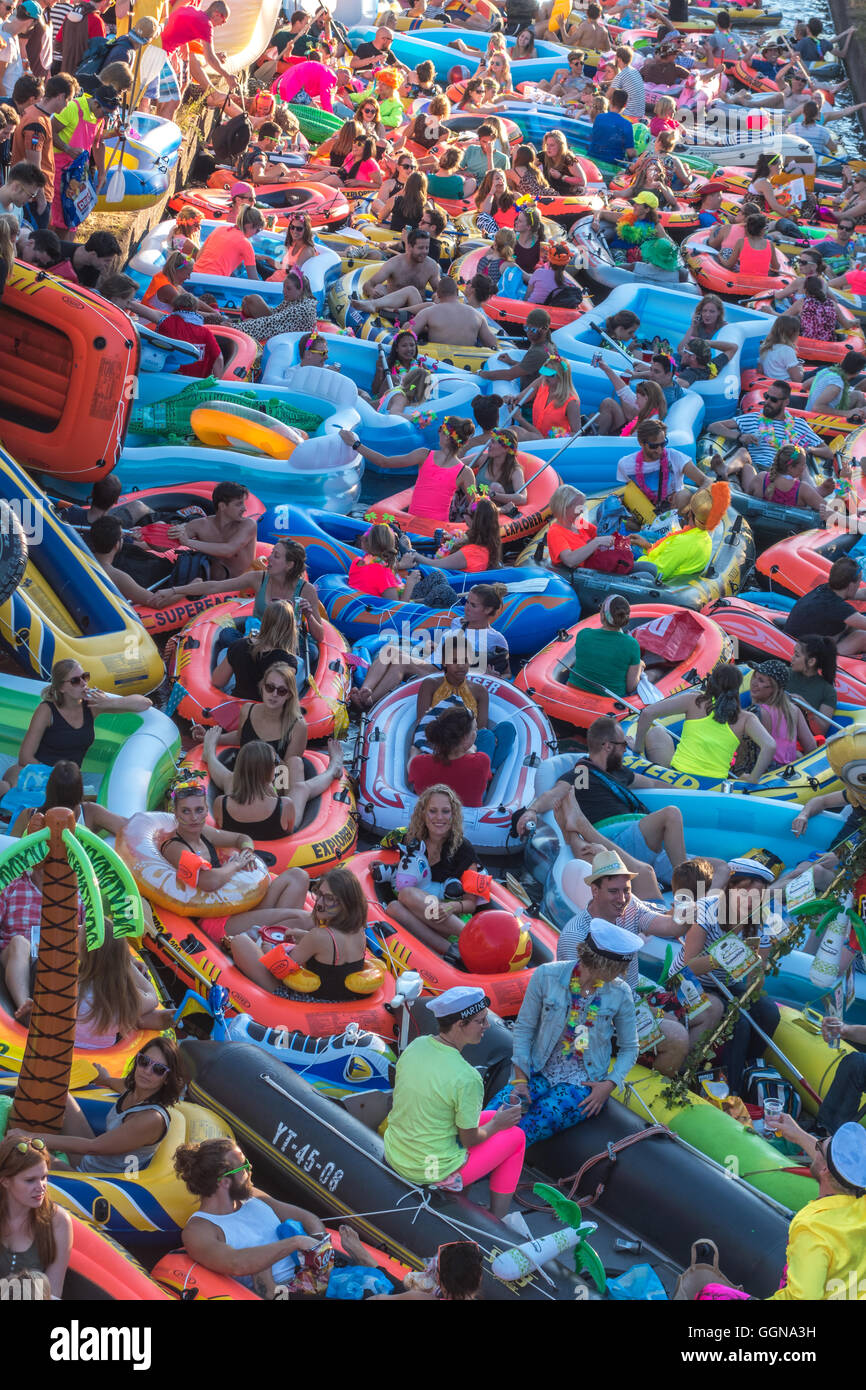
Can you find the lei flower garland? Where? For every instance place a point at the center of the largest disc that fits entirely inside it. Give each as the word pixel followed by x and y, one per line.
pixel 574 1020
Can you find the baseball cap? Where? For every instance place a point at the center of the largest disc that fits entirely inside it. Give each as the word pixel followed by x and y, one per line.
pixel 30 8
pixel 106 96
pixel 649 199
pixel 242 190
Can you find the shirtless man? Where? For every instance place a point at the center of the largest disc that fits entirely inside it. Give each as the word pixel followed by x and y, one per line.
pixel 400 283
pixel 590 35
pixel 105 539
pixel 447 320
pixel 229 536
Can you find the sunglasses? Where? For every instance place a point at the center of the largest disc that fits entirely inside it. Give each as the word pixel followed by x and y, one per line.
pixel 777 400
pixel 368 110
pixel 79 680
pixel 158 1068
pixel 275 689
pixel 317 352
pixel 656 443
pixel 244 1168
pixel 297 226
pixel 24 1144
pixel 326 899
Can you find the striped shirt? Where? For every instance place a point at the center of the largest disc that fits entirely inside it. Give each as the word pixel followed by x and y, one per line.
pixel 631 82
pixel 637 917
pixel 707 918
pixel 770 435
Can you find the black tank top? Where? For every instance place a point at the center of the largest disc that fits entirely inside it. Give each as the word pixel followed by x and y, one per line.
pixel 270 829
pixel 249 735
pixel 527 257
pixel 334 976
pixel 61 740
pixel 212 853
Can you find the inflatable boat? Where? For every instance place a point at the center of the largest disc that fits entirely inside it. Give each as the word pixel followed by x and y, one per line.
pixel 325 206
pixel 602 267
pixel 101 1270
pixel 452 393
pixel 68 359
pixel 285 1122
pixel 149 142
pixel 385 798
pixel 505 989
pixel 320 270
pixel 513 309
pixel 798 564
pixel 57 602
pixel 733 552
pixel 198 963
pixel 545 677
pixel 143 1206
pixel 665 314
pixel 516 522
pixel 321 468
pixel 323 689
pixel 756 620
pixel 533 609
pixel 325 836
pixel 713 275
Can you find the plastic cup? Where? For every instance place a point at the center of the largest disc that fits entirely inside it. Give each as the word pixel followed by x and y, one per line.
pixel 773 1110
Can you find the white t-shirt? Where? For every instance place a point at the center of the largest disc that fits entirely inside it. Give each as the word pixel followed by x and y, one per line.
pixel 777 360
pixel 10 54
pixel 677 461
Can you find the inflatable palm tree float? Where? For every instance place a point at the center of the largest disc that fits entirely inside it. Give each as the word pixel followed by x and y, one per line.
pixel 74 861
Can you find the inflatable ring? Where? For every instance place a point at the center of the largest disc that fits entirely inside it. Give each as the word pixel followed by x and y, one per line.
pixel 223 425
pixel 138 845
pixel 13 551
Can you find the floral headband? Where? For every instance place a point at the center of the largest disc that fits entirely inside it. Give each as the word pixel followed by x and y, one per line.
pixel 451 432
pixel 504 437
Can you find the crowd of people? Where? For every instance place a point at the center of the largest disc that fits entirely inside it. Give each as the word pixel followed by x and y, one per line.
pixel 68 82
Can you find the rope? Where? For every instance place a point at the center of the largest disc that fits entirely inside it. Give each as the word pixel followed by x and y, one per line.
pixel 611 1153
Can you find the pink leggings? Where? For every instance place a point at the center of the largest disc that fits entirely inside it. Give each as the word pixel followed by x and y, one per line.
pixel 501 1156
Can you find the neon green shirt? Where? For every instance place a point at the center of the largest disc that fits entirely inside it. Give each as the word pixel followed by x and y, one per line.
pixel 435 1093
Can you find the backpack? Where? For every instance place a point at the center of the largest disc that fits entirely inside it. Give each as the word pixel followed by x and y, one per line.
pixel 95 57
pixel 229 141
pixel 568 297
pixel 189 565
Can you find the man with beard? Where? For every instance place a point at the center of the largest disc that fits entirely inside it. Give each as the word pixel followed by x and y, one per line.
pixel 762 433
pixel 235 1230
pixel 597 809
pixel 826 1256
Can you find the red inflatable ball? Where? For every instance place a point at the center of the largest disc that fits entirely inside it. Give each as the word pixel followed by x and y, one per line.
pixel 494 943
pixel 457 74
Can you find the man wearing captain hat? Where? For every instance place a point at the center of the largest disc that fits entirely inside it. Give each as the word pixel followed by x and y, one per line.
pixel 563 1069
pixel 438 1131
pixel 827 1238
pixel 611 900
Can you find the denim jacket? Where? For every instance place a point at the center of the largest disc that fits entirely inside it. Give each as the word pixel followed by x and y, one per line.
pixel 543 1016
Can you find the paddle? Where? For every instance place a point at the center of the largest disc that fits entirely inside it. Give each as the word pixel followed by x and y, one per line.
pixel 612 343
pixel 116 188
pixel 804 704
pixel 744 1013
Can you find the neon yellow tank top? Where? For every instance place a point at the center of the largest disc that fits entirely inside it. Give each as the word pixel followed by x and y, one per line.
pixel 706 748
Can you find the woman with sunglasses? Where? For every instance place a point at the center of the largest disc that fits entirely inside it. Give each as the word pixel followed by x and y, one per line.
pixel 34 1233
pixel 283 579
pixel 137 1122
pixel 369 117
pixel 341 145
pixel 276 719
pixel 555 403
pixel 333 946
pixel 300 245
pixel 249 805
pixel 62 723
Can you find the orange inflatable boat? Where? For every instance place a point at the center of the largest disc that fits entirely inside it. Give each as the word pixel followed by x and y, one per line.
pixel 198 962
pixel 678 647
pixel 800 563
pixel 848 339
pixel 542 481
pixel 68 362
pixel 329 829
pixel 327 685
pixel 713 275
pixel 101 1269
pixel 505 991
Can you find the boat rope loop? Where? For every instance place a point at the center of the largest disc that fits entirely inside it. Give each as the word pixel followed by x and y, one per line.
pixel 610 1153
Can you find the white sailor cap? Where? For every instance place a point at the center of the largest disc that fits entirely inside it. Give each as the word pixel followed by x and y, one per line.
pixel 609 940
pixel 846 1155
pixel 751 868
pixel 463 1000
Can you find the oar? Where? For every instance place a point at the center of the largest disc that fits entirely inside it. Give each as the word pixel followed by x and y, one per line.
pixel 825 718
pixel 744 1013
pixel 115 191
pixel 612 343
